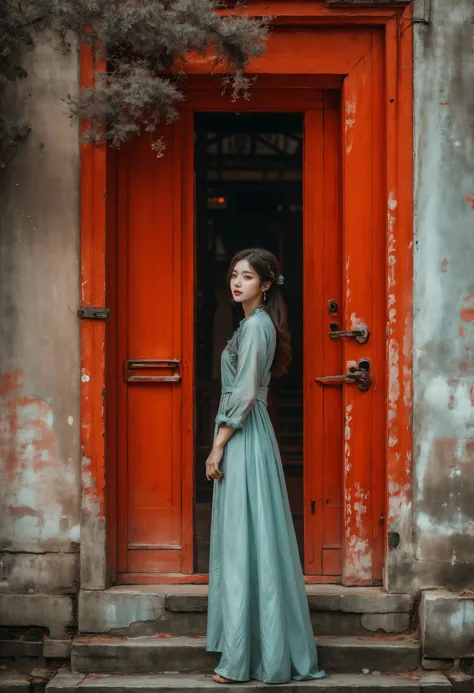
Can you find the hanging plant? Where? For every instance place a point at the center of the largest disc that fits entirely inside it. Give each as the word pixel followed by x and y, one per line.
pixel 142 41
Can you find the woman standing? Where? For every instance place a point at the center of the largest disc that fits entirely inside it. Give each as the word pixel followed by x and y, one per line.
pixel 258 615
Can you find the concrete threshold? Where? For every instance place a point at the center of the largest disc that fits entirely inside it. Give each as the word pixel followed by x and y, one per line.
pixel 320 597
pixel 182 610
pixel 172 683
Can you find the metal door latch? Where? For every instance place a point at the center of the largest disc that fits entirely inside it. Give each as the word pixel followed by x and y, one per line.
pixel 93 313
pixel 360 333
pixel 359 375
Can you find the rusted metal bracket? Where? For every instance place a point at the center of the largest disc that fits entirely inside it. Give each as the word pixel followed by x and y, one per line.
pixel 93 313
pixel 426 19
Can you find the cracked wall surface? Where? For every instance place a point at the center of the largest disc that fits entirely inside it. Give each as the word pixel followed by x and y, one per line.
pixel 443 424
pixel 39 335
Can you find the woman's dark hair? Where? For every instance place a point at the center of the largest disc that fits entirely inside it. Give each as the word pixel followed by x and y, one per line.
pixel 268 269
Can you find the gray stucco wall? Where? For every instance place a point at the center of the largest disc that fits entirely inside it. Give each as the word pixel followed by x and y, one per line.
pixel 443 484
pixel 39 336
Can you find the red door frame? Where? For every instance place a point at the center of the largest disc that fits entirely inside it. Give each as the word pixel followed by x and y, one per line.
pixel 98 530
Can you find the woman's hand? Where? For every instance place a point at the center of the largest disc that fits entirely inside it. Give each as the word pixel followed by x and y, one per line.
pixel 213 462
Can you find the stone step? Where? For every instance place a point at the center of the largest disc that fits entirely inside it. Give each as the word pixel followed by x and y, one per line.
pixel 154 655
pixel 342 683
pixel 13 682
pixel 182 610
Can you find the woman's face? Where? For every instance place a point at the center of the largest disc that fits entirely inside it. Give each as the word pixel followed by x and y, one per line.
pixel 245 283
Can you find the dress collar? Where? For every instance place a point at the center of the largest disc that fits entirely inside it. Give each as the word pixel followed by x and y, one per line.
pixel 257 309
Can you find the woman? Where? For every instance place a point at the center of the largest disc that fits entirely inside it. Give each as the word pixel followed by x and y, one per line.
pixel 258 615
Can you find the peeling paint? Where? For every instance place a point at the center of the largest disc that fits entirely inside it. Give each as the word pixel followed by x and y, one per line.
pixel 351 109
pixel 359 563
pixel 348 281
pixel 394 383
pixel 360 504
pixel 407 368
pixel 347 437
pixel 350 121
pixel 35 498
pixel 391 260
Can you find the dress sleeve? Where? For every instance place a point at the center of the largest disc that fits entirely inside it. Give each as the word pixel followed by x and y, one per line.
pixel 252 353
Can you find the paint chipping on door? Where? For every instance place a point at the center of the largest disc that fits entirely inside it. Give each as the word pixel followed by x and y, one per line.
pixel 392 206
pixel 350 121
pixel 347 438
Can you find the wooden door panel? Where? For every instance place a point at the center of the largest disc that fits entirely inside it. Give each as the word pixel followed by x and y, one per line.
pixel 313 346
pixel 364 291
pixel 154 561
pixel 149 298
pixel 332 349
pixel 153 496
pixel 332 562
pixel 322 274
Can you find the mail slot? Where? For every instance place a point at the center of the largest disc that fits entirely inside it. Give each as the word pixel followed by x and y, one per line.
pixel 148 371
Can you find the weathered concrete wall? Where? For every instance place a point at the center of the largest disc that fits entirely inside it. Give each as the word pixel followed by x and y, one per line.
pixel 39 336
pixel 447 625
pixel 39 333
pixel 443 486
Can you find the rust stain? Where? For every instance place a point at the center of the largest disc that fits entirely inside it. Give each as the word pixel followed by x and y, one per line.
pixel 27 433
pixel 462 332
pixel 467 311
pixel 471 201
pixel 444 265
pixel 99 638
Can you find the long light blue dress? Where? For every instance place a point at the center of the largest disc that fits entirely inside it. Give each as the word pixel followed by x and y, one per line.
pixel 258 615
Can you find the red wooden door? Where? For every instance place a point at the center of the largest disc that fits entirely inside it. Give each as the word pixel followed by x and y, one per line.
pixel 154 356
pixel 344 291
pixel 364 292
pixel 343 279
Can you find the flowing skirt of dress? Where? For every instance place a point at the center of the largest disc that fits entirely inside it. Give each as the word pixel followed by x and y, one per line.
pixel 258 615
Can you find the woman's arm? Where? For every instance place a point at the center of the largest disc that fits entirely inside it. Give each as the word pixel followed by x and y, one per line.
pixel 250 367
pixel 224 434
pixel 252 356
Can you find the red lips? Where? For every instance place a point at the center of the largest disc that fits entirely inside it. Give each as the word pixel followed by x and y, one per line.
pixel 237 293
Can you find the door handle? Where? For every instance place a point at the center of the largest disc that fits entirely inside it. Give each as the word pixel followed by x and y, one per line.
pixel 359 333
pixel 359 375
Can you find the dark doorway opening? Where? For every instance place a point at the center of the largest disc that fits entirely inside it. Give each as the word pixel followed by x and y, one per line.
pixel 248 192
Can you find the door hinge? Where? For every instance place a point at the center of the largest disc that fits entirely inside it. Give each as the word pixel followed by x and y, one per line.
pixel 93 313
pixel 313 507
